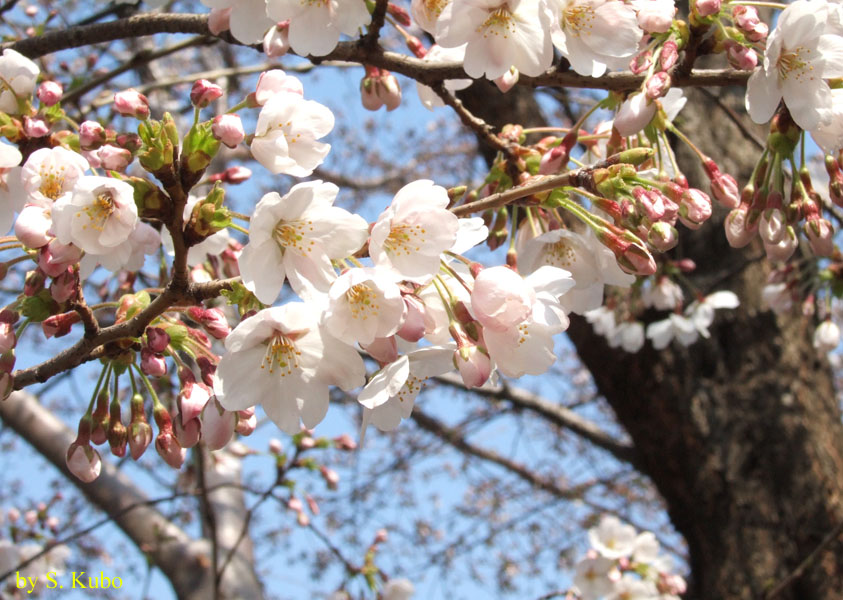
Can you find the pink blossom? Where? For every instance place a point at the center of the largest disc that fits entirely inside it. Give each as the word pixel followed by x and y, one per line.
pixel 228 129
pixel 204 92
pixel 131 103
pixel 84 462
pixel 50 92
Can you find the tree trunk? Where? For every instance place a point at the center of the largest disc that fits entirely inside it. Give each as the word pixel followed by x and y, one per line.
pixel 741 433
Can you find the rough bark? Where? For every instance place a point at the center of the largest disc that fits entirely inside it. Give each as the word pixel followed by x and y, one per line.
pixel 740 433
pixel 185 561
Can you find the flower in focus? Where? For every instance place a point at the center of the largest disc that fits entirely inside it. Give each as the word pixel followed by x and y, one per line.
pixel 282 359
pixel 18 75
pixel 295 237
pixel 287 129
pixel 329 18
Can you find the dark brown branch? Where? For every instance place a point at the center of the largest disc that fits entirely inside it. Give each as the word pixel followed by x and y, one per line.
pixel 84 349
pixel 424 72
pixel 483 130
pixel 370 40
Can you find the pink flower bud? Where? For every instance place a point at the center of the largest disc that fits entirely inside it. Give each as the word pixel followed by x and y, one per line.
pixel 657 85
pixel 91 135
pixel 217 425
pixel 641 62
pixel 381 535
pixel 52 523
pixel 140 436
pixel 246 423
pixel 63 286
pixel 302 519
pixel 663 236
pixel 204 92
pixel 30 517
pixel 737 233
pixel 553 160
pixel 508 80
pixel 312 505
pixel 772 226
pixel 724 188
pixel 114 158
pixel 820 235
pixel 131 103
pixel 153 364
pixel 740 57
pixel 401 16
pixel 669 55
pixel 474 365
pixel 59 325
pixel 191 400
pixel 55 258
pixel 50 92
pixel 187 435
pixel 157 339
pixel 331 477
pixel 295 504
pixel 169 449
pixel 215 323
pixel 369 94
pixel 8 339
pixel 634 114
pixel 219 20
pixel 35 127
pixel 345 442
pixel 307 442
pixel 706 8
pixel 784 249
pixel 651 202
pixel 274 82
pixel 13 515
pixel 228 129
pixel 745 17
pixel 694 208
pixel 276 42
pixel 83 462
pixel 275 446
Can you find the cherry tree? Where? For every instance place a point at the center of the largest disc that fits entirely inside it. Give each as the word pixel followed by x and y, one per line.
pixel 680 233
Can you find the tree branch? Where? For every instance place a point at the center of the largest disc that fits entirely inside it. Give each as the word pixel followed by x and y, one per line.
pixel 554 413
pixel 421 71
pixel 184 560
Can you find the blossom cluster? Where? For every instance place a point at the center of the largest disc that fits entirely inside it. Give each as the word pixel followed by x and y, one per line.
pixel 623 564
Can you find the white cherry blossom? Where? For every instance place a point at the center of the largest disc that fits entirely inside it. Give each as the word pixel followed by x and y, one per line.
pixel 283 360
pixel 100 214
pixel 364 304
pixel 50 173
pixel 591 264
pixel 315 26
pixel 412 233
pixel 391 392
pixel 702 312
pixel 248 20
pixel 18 76
pixel 798 60
pixel 426 13
pixel 594 34
pixel 500 34
pixel 295 237
pixel 661 333
pixel 611 538
pixel 286 133
pixel 594 577
pixel 12 195
pixel 827 336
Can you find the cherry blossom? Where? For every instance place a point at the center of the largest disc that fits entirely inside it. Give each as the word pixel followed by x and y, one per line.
pixel 282 359
pixel 827 336
pixel 100 214
pixel 499 35
pixel 12 195
pixel 592 266
pixel 438 54
pixel 365 304
pixel 414 231
pixel 18 75
pixel 329 18
pixel 427 12
pixel 391 392
pixel 661 333
pixel 594 34
pixel 287 129
pixel 247 18
pixel 611 538
pixel 295 237
pixel 594 577
pixel 798 59
pixel 51 173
